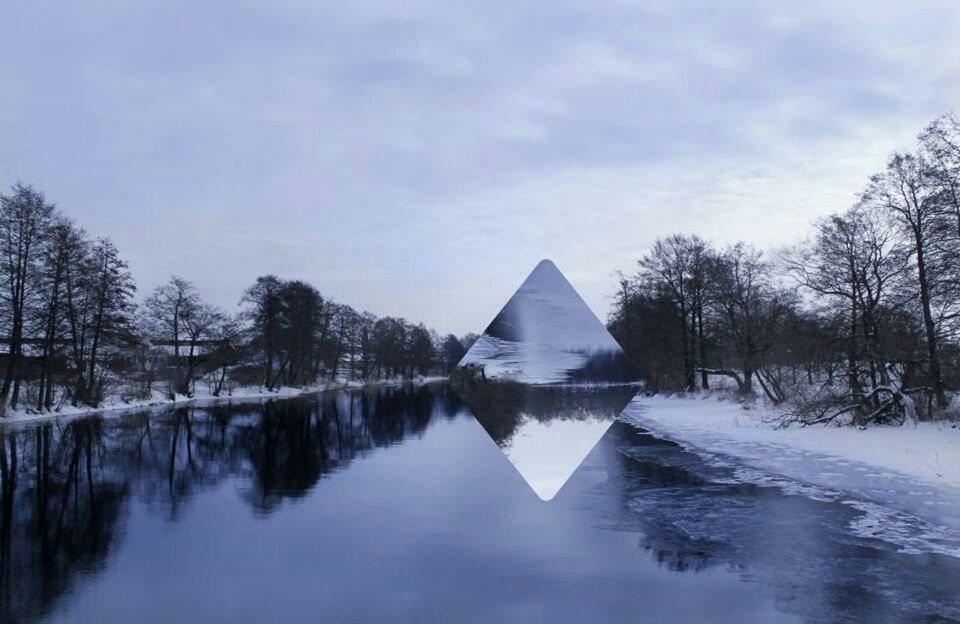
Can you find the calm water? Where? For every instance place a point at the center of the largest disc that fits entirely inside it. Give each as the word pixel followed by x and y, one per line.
pixel 395 505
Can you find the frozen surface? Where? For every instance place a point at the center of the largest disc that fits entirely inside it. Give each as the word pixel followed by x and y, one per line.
pixel 905 481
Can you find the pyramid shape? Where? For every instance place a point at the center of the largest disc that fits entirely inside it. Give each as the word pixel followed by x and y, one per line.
pixel 545 379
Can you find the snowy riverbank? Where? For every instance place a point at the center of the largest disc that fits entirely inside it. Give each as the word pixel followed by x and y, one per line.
pixel 903 481
pixel 244 393
pixel 928 452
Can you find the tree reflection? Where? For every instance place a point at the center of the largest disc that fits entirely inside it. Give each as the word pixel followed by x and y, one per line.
pixel 502 406
pixel 62 504
pixel 297 442
pixel 64 487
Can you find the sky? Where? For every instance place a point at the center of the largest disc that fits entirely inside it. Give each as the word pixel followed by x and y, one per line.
pixel 419 158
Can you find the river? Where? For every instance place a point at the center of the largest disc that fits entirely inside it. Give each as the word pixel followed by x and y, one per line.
pixel 395 505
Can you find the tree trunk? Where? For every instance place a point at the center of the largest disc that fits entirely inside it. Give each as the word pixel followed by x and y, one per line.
pixel 688 372
pixel 936 377
pixel 853 378
pixel 704 380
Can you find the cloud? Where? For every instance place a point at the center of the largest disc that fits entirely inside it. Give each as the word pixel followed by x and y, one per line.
pixel 417 159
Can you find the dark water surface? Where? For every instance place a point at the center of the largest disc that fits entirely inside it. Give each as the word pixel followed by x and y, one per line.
pixel 395 505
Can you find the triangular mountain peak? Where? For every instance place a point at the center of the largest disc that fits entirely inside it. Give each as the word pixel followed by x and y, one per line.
pixel 547 334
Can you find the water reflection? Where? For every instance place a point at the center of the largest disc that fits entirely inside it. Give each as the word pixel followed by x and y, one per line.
pixel 62 510
pixel 503 407
pixel 691 517
pixel 394 506
pixel 545 431
pixel 65 485
pixel 545 379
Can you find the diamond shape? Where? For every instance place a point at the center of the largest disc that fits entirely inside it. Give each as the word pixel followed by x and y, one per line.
pixel 545 380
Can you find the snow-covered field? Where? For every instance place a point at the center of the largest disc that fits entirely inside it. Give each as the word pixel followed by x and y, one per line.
pixel 243 393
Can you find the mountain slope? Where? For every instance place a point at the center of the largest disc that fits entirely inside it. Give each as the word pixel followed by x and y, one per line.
pixel 546 334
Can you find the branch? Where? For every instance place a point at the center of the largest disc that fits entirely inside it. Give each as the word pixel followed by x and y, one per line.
pixel 724 372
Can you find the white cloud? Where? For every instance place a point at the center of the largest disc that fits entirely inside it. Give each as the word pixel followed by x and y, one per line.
pixel 417 159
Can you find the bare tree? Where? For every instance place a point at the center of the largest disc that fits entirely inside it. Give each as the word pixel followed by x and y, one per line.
pixel 752 310
pixel 670 265
pixel 203 324
pixel 169 310
pixel 112 307
pixel 25 217
pixel 906 192
pixel 229 350
pixel 63 247
pixel 263 306
pixel 940 151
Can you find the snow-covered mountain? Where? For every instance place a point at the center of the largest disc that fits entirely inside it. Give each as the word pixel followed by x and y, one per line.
pixel 546 334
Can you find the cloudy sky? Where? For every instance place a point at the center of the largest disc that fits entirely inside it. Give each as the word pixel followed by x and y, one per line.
pixel 418 158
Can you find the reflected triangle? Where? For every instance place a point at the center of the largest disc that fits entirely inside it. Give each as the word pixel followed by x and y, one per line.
pixel 545 379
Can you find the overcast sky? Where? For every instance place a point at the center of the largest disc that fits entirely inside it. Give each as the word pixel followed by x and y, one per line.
pixel 418 158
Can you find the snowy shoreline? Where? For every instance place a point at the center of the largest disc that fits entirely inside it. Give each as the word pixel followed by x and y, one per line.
pixel 928 452
pixel 240 395
pixel 903 481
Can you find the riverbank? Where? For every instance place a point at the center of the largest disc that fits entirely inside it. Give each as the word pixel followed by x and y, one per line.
pixel 243 393
pixel 927 453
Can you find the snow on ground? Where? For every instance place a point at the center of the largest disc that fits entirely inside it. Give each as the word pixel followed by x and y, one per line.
pixel 927 452
pixel 544 332
pixel 904 481
pixel 524 362
pixel 242 393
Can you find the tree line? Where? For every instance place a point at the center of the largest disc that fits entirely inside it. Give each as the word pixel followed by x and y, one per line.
pixel 858 324
pixel 72 332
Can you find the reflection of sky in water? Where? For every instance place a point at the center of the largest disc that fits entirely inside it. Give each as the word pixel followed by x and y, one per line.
pixel 547 452
pixel 545 431
pixel 392 505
